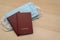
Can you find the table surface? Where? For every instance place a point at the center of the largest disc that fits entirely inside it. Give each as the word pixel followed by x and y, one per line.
pixel 47 27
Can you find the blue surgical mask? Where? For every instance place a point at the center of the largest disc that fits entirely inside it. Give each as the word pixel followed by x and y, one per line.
pixel 29 7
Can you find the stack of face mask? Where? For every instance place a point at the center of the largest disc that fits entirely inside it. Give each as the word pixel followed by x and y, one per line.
pixel 29 7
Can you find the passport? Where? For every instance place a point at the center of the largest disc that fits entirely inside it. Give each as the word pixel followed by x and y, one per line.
pixel 21 23
pixel 24 23
pixel 13 22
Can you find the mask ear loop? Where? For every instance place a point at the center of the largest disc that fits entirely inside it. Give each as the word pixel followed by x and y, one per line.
pixel 39 11
pixel 4 26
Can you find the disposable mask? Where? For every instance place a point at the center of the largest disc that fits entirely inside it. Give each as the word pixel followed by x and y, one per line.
pixel 29 7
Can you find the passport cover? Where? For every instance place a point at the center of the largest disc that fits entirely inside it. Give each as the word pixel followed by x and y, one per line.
pixel 24 23
pixel 21 23
pixel 13 21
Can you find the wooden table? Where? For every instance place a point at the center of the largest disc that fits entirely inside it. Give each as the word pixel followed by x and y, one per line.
pixel 47 27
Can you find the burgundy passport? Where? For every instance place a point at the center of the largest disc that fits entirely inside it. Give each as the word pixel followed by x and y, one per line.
pixel 21 23
pixel 13 21
pixel 24 23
